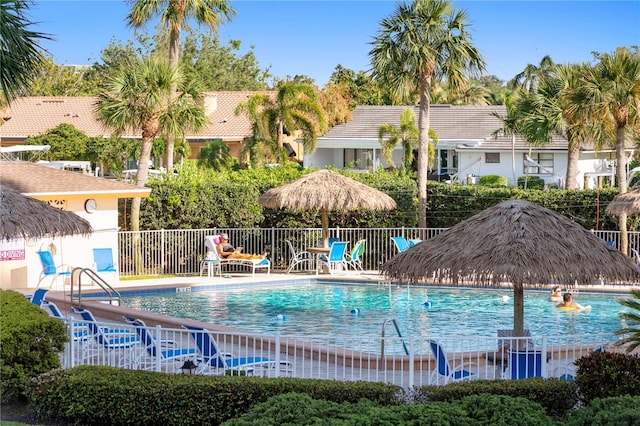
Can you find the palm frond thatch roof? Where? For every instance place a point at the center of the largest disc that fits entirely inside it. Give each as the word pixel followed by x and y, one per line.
pixel 24 217
pixel 515 241
pixel 627 203
pixel 327 190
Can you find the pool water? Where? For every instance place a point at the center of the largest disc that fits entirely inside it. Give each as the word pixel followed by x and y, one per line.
pixel 356 310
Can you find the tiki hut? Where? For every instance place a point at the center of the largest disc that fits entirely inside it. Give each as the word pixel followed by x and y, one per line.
pixel 627 203
pixel 514 242
pixel 326 190
pixel 24 217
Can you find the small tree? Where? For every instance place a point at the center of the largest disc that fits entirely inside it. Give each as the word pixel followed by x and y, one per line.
pixel 632 320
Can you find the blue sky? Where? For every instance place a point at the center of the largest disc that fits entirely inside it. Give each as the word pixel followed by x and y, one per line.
pixel 312 37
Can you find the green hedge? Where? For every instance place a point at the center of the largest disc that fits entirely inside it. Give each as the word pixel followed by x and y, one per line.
pixel 556 396
pixel 30 341
pixel 302 410
pixel 103 395
pixel 607 412
pixel 200 198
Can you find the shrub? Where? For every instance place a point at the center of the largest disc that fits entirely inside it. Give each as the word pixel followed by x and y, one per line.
pixel 623 410
pixel 531 182
pixel 493 180
pixel 556 396
pixel 30 341
pixel 103 395
pixel 607 374
pixel 486 409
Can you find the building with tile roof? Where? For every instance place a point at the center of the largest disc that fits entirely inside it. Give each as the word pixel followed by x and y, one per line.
pixel 32 116
pixel 467 147
pixel 93 198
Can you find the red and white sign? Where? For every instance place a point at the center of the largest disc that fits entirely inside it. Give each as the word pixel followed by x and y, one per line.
pixel 11 250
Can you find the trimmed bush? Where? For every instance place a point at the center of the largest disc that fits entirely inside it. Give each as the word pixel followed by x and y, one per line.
pixel 105 395
pixel 493 180
pixel 624 410
pixel 30 341
pixel 531 182
pixel 296 409
pixel 555 396
pixel 607 374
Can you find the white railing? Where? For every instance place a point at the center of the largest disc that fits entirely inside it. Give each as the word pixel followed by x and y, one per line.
pixel 180 251
pixel 338 357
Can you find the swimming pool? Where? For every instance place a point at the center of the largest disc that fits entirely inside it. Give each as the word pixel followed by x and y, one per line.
pixel 329 309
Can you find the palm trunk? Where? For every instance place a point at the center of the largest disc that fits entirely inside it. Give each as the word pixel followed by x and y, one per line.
pixel 573 154
pixel 174 53
pixel 423 150
pixel 621 172
pixel 518 310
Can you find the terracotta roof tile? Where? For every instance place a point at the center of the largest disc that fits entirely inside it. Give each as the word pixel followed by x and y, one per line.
pixel 36 180
pixel 32 116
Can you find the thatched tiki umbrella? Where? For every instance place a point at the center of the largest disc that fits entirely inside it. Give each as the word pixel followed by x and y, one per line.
pixel 518 242
pixel 627 203
pixel 326 190
pixel 24 217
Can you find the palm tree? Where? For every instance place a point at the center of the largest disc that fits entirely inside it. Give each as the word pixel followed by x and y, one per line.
pixel 632 329
pixel 510 127
pixel 142 98
pixel 175 13
pixel 20 54
pixel 530 77
pixel 296 108
pixel 422 41
pixel 406 134
pixel 556 108
pixel 611 92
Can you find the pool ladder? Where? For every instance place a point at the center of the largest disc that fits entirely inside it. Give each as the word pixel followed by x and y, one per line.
pixel 404 344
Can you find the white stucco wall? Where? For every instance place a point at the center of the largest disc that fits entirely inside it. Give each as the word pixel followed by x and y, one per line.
pixel 74 251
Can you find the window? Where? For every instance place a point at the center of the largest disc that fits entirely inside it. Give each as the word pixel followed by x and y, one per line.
pixel 544 164
pixel 492 157
pixel 358 158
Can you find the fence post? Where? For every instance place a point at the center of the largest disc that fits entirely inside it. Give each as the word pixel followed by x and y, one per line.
pixel 411 362
pixel 163 262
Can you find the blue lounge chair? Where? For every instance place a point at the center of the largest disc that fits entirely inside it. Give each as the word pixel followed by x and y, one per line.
pixel 401 243
pixel 164 350
pixel 335 261
pixel 445 371
pixel 123 340
pixel 50 270
pixel 216 362
pixel 38 297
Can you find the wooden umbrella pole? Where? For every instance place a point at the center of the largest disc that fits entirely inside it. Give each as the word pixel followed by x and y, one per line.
pixel 324 216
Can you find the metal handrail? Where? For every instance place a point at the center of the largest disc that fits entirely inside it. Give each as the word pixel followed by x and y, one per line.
pixel 404 344
pixel 112 293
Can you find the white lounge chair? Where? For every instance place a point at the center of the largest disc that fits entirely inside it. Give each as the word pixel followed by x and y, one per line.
pixel 211 243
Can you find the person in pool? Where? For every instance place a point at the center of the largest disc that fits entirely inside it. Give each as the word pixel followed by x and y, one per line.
pixel 569 304
pixel 227 251
pixel 556 295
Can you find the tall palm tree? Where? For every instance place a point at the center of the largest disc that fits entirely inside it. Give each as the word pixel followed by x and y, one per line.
pixel 175 14
pixel 555 108
pixel 142 98
pixel 296 107
pixel 422 41
pixel 20 55
pixel 611 92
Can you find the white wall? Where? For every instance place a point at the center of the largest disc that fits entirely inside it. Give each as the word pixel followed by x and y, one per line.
pixel 74 251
